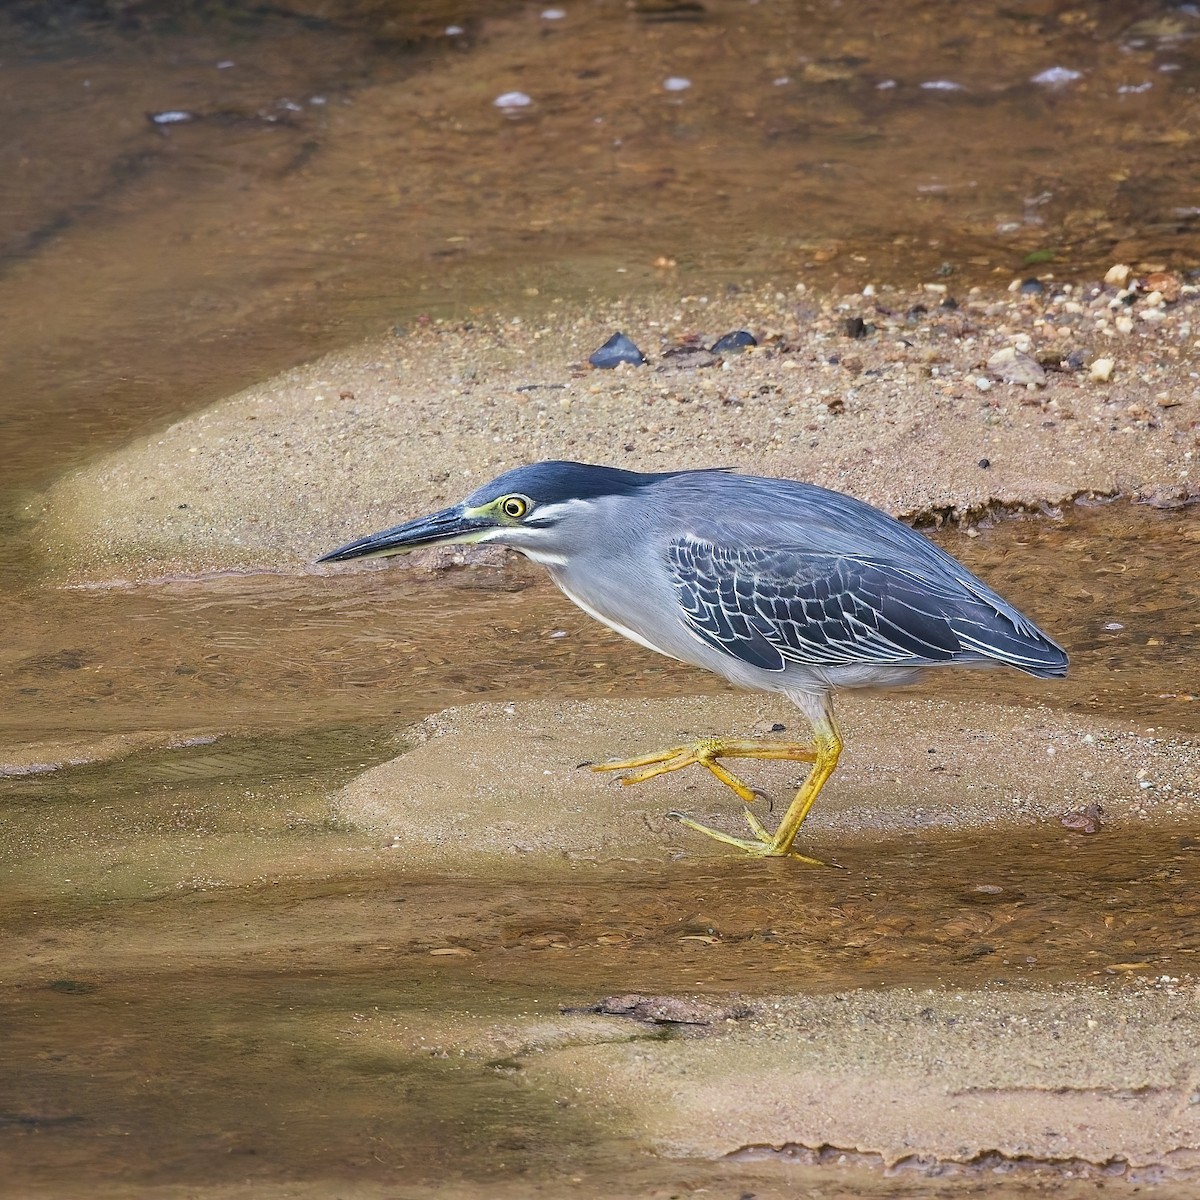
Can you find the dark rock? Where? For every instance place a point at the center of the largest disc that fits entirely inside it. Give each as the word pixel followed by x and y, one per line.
pixel 1032 287
pixel 617 350
pixel 734 343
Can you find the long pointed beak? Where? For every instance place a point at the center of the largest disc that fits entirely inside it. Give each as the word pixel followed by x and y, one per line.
pixel 437 529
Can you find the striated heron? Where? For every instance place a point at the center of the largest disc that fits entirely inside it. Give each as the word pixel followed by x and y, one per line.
pixel 775 585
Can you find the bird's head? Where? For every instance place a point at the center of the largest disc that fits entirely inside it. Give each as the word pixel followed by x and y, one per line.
pixel 541 510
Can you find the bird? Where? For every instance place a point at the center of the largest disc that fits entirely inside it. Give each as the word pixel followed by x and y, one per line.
pixel 773 584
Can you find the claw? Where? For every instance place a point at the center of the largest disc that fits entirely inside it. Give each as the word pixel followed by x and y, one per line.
pixel 705 752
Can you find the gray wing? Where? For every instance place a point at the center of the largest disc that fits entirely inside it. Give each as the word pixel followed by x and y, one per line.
pixel 772 607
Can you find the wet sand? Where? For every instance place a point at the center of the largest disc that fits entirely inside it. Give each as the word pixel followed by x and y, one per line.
pixel 503 782
pixel 910 417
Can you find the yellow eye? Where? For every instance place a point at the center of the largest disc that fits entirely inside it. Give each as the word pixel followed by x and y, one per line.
pixel 514 506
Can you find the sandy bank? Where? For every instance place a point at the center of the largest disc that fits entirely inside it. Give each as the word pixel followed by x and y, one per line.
pixel 907 415
pixel 491 781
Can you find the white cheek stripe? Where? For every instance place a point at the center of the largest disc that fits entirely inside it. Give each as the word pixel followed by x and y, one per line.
pixel 542 558
pixel 621 629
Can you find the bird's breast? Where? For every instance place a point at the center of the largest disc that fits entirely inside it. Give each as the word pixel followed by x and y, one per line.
pixel 612 621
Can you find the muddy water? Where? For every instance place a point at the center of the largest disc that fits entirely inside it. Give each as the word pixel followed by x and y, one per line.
pixel 195 952
pixel 191 944
pixel 277 654
pixel 219 1036
pixel 336 172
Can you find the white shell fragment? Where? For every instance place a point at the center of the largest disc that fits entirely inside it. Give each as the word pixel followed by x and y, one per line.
pixel 1056 77
pixel 1014 366
pixel 509 100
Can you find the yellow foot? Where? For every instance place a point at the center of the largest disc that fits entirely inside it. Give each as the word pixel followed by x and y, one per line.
pixel 762 845
pixel 705 753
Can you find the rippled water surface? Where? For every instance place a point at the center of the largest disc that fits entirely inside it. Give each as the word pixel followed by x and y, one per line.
pixel 191 942
pixel 340 167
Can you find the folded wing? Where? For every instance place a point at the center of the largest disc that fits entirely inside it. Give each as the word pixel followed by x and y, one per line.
pixel 771 607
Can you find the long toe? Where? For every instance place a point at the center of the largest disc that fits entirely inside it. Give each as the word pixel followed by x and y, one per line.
pixel 758 847
pixel 644 760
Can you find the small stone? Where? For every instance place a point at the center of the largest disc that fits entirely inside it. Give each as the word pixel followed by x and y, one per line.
pixel 1165 284
pixel 617 350
pixel 509 101
pixel 1056 77
pixel 676 83
pixel 855 327
pixel 1015 366
pixel 1124 324
pixel 1084 820
pixel 1032 287
pixel 687 357
pixel 733 343
pixel 1101 370
pixel 1117 275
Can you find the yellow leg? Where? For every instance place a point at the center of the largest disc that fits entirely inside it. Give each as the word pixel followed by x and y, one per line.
pixel 823 754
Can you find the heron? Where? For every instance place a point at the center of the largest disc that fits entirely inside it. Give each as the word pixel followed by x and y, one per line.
pixel 773 584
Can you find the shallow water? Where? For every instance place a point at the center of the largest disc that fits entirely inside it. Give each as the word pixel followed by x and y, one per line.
pixel 192 944
pixel 275 654
pixel 347 169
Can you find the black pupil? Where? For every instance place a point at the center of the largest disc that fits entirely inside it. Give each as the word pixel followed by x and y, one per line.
pixel 514 508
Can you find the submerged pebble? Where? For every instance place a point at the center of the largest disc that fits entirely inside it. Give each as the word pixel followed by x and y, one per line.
pixel 617 350
pixel 733 343
pixel 511 100
pixel 676 83
pixel 1056 77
